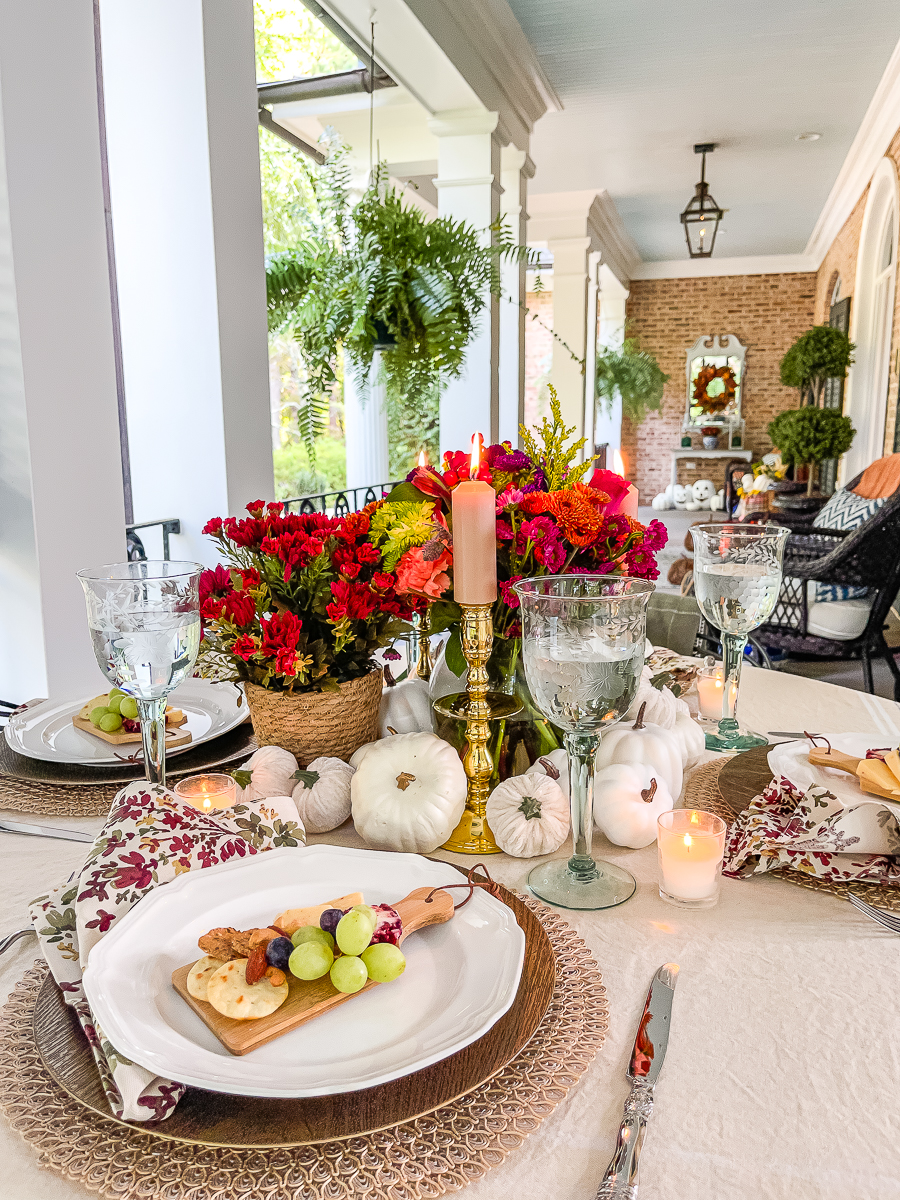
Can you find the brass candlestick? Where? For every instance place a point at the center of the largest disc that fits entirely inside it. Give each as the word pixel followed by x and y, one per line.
pixel 473 835
pixel 423 665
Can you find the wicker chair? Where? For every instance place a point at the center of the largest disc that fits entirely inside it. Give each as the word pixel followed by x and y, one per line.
pixel 869 557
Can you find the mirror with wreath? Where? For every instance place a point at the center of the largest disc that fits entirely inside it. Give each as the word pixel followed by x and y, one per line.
pixel 715 376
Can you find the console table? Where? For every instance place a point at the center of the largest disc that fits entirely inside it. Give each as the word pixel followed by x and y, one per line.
pixel 684 452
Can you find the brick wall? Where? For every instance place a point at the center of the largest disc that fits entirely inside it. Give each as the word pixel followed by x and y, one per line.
pixel 765 312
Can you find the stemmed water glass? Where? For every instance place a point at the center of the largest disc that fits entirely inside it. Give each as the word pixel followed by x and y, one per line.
pixel 144 619
pixel 583 650
pixel 737 578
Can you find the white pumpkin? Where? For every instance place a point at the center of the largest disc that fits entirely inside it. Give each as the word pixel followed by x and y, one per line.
pixel 322 794
pixel 691 736
pixel 643 743
pixel 628 797
pixel 408 793
pixel 556 766
pixel 405 707
pixel 661 704
pixel 269 771
pixel 528 815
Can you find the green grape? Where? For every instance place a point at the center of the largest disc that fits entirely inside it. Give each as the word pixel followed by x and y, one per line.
pixel 310 960
pixel 110 722
pixel 114 702
pixel 114 692
pixel 367 911
pixel 97 714
pixel 354 932
pixel 128 707
pixel 384 962
pixel 349 974
pixel 312 933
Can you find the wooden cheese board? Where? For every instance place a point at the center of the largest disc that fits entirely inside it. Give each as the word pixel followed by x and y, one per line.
pixel 308 999
pixel 174 737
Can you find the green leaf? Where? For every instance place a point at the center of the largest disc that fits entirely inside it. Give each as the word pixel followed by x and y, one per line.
pixel 407 493
pixel 453 654
pixel 242 778
pixel 443 614
pixel 307 778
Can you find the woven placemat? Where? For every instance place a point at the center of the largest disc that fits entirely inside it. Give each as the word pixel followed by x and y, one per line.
pixel 81 800
pixel 702 791
pixel 420 1160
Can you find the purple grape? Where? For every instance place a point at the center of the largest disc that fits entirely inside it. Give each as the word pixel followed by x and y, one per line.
pixel 329 920
pixel 388 925
pixel 278 952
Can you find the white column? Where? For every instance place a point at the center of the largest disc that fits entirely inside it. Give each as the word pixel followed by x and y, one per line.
pixel 516 168
pixel 590 355
pixel 365 428
pixel 184 174
pixel 611 333
pixel 61 496
pixel 570 299
pixel 468 184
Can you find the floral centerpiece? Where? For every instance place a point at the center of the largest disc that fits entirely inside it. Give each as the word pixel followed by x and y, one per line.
pixel 554 515
pixel 297 616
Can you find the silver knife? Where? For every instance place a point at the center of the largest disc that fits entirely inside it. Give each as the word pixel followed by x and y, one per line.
pixel 50 831
pixel 621 1179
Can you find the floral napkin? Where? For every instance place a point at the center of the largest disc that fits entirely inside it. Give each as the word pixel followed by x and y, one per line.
pixel 817 833
pixel 150 836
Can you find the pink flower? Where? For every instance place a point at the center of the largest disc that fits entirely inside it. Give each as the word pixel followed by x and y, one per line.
pixel 416 574
pixel 656 536
pixel 510 599
pixel 509 497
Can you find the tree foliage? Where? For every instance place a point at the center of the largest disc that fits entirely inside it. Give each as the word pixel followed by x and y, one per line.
pixel 635 375
pixel 811 435
pixel 819 354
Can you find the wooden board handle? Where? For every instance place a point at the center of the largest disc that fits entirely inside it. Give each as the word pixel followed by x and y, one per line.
pixel 819 757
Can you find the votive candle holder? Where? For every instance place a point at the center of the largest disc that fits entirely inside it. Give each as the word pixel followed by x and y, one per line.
pixel 206 792
pixel 691 846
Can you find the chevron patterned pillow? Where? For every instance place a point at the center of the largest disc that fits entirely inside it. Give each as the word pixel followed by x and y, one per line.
pixel 845 510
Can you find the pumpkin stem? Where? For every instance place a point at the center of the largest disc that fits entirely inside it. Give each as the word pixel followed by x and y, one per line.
pixel 404 779
pixel 531 807
pixel 388 677
pixel 647 794
pixel 549 768
pixel 307 778
pixel 391 730
pixel 639 723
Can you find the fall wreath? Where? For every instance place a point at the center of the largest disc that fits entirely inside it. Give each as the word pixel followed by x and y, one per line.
pixel 720 400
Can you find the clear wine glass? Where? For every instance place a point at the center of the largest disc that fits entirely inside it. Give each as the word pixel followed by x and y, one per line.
pixel 737 578
pixel 144 619
pixel 583 650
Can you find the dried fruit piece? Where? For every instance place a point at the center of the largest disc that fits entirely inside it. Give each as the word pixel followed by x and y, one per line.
pixel 388 926
pixel 275 976
pixel 256 965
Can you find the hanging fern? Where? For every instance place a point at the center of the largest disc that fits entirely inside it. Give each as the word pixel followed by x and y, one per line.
pixel 633 374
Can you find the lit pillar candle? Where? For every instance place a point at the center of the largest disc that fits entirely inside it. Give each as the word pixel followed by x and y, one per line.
pixel 474 538
pixel 690 844
pixel 206 792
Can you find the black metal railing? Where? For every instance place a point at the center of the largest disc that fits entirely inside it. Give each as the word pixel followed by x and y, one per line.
pixel 338 504
pixel 136 551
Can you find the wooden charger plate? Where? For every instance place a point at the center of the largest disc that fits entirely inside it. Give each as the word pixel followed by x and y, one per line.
pixel 216 1119
pixel 745 776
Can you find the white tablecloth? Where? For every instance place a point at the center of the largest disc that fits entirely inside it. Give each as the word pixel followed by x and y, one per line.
pixel 782 1078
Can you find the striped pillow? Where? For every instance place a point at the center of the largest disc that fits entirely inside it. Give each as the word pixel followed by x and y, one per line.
pixel 845 510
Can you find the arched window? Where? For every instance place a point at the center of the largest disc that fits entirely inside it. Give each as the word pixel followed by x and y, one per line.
pixel 876 273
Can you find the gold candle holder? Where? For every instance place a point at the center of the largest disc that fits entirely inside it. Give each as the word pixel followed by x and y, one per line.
pixel 423 665
pixel 473 834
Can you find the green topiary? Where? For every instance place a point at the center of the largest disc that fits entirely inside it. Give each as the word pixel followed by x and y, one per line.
pixel 811 435
pixel 819 354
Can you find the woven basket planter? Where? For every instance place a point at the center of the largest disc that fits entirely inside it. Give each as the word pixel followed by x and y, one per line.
pixel 317 724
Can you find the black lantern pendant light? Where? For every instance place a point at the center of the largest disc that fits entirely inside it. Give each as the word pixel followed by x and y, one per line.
pixel 702 216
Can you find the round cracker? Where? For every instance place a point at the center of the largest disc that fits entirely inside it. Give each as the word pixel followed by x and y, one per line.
pixel 228 991
pixel 198 976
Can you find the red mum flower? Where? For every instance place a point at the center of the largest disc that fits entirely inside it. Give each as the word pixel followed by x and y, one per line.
pixel 240 608
pixel 245 646
pixel 213 527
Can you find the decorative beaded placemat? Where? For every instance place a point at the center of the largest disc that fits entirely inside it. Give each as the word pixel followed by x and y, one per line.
pixel 422 1159
pixel 702 791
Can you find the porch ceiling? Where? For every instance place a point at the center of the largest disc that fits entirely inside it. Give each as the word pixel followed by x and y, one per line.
pixel 643 80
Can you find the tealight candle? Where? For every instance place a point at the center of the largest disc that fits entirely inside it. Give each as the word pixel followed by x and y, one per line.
pixel 474 538
pixel 205 792
pixel 710 686
pixel 691 845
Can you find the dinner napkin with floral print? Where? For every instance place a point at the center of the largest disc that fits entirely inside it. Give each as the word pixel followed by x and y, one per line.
pixel 817 833
pixel 150 836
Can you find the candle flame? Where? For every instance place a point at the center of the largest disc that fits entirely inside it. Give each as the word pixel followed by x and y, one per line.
pixel 688 840
pixel 695 818
pixel 620 463
pixel 475 461
pixel 423 460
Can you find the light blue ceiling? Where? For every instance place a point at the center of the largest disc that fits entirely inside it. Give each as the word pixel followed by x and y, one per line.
pixel 643 80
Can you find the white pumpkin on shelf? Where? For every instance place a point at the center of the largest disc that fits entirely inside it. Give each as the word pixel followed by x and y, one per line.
pixel 269 771
pixel 405 706
pixel 408 793
pixel 555 765
pixel 528 815
pixel 661 705
pixel 322 794
pixel 691 736
pixel 628 798
pixel 644 743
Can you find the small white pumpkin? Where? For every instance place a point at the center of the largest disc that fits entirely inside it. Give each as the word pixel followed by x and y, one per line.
pixel 405 706
pixel 322 794
pixel 661 704
pixel 691 736
pixel 528 815
pixel 643 743
pixel 269 771
pixel 628 798
pixel 408 793
pixel 556 766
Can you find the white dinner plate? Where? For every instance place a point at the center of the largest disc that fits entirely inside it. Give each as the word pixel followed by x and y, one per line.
pixel 460 978
pixel 46 731
pixel 791 759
